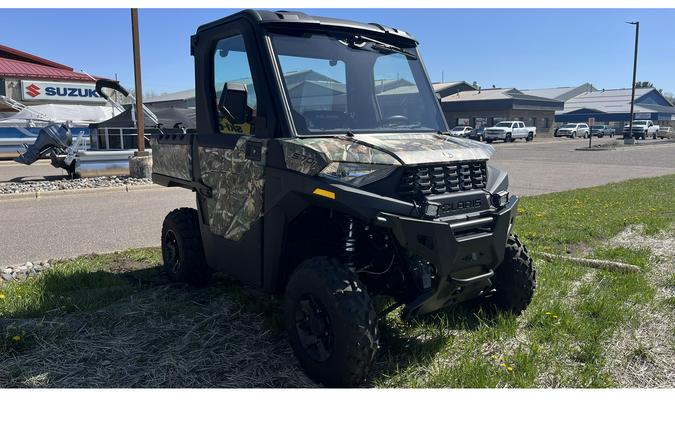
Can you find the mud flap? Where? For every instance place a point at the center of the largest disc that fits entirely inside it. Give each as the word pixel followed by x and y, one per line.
pixel 53 137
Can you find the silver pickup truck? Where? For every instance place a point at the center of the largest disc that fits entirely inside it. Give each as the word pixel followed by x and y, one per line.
pixel 510 130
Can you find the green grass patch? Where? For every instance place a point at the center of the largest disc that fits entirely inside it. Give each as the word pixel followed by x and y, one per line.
pixel 558 221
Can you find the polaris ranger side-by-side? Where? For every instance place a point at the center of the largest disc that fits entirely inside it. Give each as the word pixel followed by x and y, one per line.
pixel 323 171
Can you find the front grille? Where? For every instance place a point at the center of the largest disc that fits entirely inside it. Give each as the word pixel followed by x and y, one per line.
pixel 420 181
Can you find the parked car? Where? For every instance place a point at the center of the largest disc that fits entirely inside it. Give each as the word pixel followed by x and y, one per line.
pixel 460 131
pixel 602 130
pixel 665 132
pixel 477 134
pixel 642 129
pixel 510 130
pixel 573 130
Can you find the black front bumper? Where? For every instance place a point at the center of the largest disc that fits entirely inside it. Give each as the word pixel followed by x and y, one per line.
pixel 464 253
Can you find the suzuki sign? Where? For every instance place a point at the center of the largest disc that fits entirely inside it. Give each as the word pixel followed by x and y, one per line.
pixel 59 91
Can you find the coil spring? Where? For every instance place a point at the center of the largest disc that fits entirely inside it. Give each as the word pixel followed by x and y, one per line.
pixel 348 242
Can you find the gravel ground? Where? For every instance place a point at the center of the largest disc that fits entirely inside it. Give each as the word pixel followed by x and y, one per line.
pixel 20 272
pixel 70 184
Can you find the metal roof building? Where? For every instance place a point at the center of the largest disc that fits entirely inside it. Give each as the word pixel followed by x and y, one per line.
pixel 33 80
pixel 561 93
pixel 613 106
pixel 486 107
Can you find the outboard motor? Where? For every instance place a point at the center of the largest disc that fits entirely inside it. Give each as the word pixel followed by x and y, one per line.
pixel 53 137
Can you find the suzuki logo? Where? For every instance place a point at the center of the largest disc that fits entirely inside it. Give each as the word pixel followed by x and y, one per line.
pixel 447 154
pixel 33 90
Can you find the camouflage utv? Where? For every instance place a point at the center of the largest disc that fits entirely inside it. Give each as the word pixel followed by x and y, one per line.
pixel 323 172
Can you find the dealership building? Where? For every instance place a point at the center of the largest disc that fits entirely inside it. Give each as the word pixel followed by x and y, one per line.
pixel 33 80
pixel 486 107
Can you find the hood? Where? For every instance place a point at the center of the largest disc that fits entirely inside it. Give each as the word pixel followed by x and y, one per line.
pixel 311 155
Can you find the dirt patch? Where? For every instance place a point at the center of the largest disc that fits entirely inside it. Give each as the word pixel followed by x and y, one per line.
pixel 643 354
pixel 166 336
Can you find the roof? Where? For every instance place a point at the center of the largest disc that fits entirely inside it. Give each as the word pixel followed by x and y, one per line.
pixel 18 64
pixel 286 19
pixel 617 101
pixel 496 97
pixel 12 53
pixel 483 94
pixel 561 93
pixel 174 96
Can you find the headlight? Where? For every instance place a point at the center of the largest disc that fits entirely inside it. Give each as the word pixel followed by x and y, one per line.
pixel 356 174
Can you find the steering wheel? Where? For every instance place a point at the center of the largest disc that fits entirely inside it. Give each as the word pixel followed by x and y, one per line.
pixel 396 120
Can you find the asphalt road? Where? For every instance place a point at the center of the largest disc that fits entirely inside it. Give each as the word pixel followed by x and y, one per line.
pixel 11 171
pixel 71 225
pixel 545 166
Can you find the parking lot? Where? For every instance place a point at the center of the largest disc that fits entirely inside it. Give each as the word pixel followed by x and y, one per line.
pixel 553 165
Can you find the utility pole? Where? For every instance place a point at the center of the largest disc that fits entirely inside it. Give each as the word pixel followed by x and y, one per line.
pixel 630 139
pixel 138 85
pixel 140 164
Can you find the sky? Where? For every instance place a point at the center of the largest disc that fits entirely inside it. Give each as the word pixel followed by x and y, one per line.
pixel 508 48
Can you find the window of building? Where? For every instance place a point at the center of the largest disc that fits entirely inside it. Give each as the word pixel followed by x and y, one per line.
pixel 546 123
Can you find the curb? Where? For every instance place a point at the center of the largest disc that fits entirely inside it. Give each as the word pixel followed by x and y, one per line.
pixel 55 193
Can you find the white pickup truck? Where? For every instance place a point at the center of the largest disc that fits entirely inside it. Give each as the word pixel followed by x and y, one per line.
pixel 510 130
pixel 642 129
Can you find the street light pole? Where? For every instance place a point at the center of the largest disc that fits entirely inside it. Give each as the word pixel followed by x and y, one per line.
pixel 632 95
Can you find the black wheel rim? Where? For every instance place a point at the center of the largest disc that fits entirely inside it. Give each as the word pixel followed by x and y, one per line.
pixel 314 328
pixel 171 252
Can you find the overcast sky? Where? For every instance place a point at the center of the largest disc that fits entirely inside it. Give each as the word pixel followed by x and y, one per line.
pixel 507 48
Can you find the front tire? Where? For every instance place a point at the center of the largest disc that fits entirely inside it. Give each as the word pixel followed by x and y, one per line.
pixel 508 138
pixel 331 322
pixel 515 279
pixel 182 250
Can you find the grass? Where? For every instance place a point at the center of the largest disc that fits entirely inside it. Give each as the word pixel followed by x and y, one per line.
pixel 560 221
pixel 111 320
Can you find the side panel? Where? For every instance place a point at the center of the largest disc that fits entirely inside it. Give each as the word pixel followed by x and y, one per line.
pixel 173 160
pixel 237 185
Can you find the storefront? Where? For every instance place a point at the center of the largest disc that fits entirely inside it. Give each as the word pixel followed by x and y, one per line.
pixel 33 80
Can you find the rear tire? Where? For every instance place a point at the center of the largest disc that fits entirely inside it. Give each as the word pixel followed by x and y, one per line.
pixel 530 137
pixel 654 136
pixel 331 322
pixel 182 250
pixel 515 279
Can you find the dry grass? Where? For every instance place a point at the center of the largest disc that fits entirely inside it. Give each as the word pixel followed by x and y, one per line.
pixel 162 336
pixel 643 353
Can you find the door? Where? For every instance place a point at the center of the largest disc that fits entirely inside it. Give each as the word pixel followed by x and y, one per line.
pixel 229 161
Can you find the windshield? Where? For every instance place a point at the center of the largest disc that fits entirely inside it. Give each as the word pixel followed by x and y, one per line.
pixel 458 128
pixel 503 124
pixel 569 126
pixel 640 122
pixel 349 83
pixel 598 127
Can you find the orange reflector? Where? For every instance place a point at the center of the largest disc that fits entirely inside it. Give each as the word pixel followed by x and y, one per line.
pixel 324 193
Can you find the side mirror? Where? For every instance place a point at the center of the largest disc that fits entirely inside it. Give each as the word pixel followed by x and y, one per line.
pixel 232 103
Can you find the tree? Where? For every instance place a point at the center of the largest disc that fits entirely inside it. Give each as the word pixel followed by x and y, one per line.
pixel 644 84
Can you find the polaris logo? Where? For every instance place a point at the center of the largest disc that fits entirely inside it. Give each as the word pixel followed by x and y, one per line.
pixel 463 205
pixel 33 90
pixel 59 92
